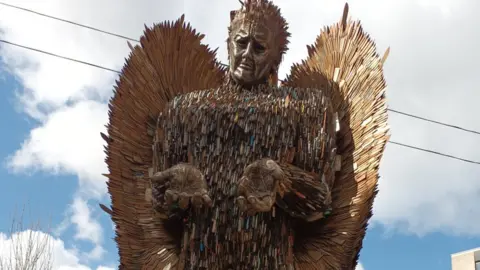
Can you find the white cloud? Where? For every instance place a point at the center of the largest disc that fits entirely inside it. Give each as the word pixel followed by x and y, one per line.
pixel 105 268
pixel 61 258
pixel 359 267
pixel 68 141
pixel 419 192
pixel 87 228
pixel 431 72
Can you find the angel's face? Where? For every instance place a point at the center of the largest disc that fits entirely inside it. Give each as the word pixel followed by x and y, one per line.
pixel 250 54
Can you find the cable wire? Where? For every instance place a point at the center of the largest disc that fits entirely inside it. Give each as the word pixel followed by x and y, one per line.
pixel 136 40
pixel 118 72
pixel 58 56
pixel 434 121
pixel 68 21
pixel 434 152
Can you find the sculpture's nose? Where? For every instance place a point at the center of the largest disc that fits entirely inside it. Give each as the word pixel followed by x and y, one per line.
pixel 247 54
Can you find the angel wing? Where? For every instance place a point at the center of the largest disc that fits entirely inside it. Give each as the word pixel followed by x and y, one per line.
pixel 169 61
pixel 344 56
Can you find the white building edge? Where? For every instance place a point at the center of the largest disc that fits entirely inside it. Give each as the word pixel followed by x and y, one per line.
pixel 466 260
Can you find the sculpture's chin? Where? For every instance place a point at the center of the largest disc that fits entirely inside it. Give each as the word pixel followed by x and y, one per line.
pixel 245 77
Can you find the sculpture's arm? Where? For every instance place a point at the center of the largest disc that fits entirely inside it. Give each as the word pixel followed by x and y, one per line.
pixel 301 194
pixel 174 188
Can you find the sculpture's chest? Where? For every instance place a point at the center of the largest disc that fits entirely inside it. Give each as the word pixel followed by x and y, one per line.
pixel 247 123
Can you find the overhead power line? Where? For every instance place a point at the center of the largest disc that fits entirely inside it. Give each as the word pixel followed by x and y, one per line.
pixel 136 40
pixel 68 21
pixel 58 56
pixel 434 152
pixel 435 122
pixel 118 72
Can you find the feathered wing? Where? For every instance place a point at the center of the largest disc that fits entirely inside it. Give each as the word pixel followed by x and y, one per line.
pixel 345 57
pixel 170 60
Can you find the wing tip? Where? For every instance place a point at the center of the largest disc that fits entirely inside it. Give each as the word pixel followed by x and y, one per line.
pixel 345 15
pixel 106 209
pixel 385 55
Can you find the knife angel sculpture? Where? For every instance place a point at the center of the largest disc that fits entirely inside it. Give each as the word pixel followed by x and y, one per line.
pixel 214 167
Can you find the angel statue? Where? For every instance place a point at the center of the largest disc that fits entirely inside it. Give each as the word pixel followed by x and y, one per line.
pixel 214 167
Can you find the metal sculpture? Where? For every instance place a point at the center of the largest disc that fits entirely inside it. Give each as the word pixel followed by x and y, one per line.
pixel 223 169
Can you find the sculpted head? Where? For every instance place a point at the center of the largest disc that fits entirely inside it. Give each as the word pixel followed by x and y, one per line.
pixel 257 40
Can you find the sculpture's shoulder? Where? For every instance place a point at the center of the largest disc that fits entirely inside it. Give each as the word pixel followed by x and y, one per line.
pixel 227 97
pixel 203 96
pixel 295 93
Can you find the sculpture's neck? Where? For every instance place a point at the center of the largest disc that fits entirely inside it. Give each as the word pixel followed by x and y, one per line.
pixel 236 85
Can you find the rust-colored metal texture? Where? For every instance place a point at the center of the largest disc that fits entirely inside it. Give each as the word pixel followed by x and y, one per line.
pixel 345 55
pixel 170 60
pixel 221 131
pixel 157 120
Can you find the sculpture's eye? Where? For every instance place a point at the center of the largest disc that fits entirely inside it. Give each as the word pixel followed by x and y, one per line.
pixel 242 43
pixel 259 48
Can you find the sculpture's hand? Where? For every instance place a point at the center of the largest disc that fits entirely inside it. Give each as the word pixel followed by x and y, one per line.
pixel 258 186
pixel 304 195
pixel 184 184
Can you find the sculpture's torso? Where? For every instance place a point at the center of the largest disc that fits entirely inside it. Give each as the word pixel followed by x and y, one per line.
pixel 221 131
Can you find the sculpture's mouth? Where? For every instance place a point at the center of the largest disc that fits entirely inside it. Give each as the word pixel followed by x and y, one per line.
pixel 246 65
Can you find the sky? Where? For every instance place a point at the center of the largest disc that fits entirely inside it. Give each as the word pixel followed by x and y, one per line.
pixel 53 110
